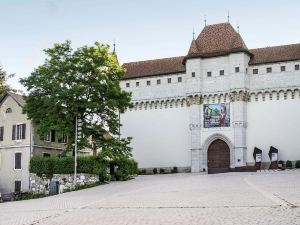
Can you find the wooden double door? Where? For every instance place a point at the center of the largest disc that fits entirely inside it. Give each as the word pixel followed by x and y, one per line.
pixel 218 157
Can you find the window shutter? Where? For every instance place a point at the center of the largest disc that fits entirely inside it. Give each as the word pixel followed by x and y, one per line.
pixel 1 133
pixel 18 164
pixel 53 136
pixel 23 131
pixel 14 132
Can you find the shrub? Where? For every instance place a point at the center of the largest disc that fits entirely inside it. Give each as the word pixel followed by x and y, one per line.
pixel 126 168
pixel 161 170
pixel 27 196
pixel 142 172
pixel 297 164
pixel 155 171
pixel 281 162
pixel 174 170
pixel 289 164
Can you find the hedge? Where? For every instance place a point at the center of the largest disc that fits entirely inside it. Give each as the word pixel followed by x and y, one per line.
pixel 85 164
pixel 125 168
pixel 64 165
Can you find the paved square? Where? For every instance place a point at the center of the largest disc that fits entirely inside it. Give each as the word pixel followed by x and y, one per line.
pixel 231 198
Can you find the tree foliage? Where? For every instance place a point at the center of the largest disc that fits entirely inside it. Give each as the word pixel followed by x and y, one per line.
pixel 4 87
pixel 84 82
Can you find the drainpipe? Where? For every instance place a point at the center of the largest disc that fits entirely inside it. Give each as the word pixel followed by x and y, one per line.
pixel 30 151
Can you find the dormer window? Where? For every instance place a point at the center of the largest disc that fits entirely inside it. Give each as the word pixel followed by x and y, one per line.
pixel 8 110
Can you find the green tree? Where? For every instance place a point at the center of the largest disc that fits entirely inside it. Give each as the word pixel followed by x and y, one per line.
pixel 4 87
pixel 84 82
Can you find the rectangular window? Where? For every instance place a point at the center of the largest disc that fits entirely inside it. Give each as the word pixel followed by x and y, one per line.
pixel 169 80
pixel 158 82
pixel 137 84
pixel 63 139
pixel 46 154
pixel 1 133
pixel 237 69
pixel 18 186
pixel 209 74
pixel 48 136
pixel 297 67
pixel 18 160
pixel 148 83
pixel 221 72
pixel 179 79
pixel 282 68
pixel 19 131
pixel 269 69
pixel 127 84
pixel 193 74
pixel 255 71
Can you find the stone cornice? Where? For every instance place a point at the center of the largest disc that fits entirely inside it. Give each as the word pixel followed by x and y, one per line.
pixel 219 97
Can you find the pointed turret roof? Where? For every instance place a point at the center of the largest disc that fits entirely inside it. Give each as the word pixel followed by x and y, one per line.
pixel 193 48
pixel 215 40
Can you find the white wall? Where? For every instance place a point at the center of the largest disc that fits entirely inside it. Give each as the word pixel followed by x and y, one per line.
pixel 275 123
pixel 161 137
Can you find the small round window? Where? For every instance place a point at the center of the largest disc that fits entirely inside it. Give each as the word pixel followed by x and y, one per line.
pixel 8 110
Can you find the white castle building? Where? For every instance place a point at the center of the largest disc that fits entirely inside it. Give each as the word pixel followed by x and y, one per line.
pixel 209 109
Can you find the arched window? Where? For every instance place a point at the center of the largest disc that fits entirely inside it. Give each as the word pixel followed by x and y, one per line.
pixel 8 110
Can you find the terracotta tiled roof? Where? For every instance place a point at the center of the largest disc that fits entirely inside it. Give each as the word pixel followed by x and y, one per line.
pixel 214 40
pixel 154 67
pixel 217 39
pixel 18 98
pixel 275 54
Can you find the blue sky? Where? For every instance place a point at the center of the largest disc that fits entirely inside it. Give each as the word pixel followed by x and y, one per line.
pixel 142 29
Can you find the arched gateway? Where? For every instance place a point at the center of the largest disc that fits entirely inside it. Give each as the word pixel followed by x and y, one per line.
pixel 218 157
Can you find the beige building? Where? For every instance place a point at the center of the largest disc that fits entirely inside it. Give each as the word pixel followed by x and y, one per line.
pixel 18 143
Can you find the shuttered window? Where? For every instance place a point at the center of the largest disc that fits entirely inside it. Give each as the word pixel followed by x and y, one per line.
pixel 19 131
pixel 63 139
pixel 1 133
pixel 18 160
pixel 18 186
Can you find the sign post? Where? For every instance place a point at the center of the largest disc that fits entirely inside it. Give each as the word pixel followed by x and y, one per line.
pixel 77 137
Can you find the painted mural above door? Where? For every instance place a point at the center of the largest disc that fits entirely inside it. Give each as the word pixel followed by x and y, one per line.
pixel 216 115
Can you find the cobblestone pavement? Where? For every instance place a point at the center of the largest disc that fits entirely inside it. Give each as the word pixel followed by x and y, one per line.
pixel 231 198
